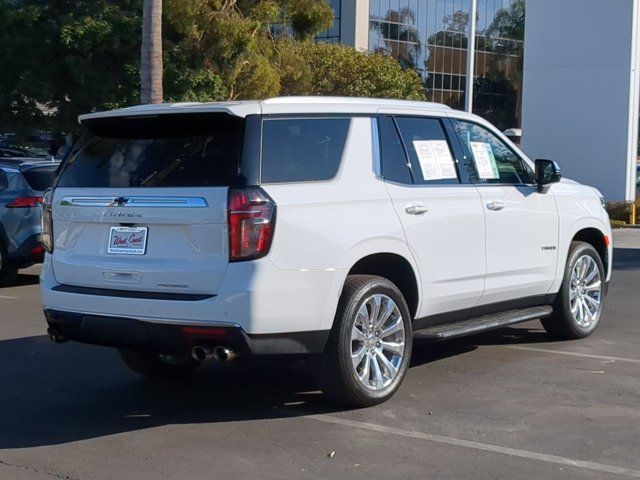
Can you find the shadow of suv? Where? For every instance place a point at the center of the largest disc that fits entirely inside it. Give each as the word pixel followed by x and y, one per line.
pixel 22 182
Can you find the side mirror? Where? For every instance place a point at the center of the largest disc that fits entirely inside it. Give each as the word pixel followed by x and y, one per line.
pixel 547 172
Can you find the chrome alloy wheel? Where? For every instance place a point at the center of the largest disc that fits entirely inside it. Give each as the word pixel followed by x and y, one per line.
pixel 377 342
pixel 585 292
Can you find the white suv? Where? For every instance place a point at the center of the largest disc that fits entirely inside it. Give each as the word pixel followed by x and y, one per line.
pixel 328 226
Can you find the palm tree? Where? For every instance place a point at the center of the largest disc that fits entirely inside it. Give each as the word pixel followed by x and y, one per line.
pixel 151 61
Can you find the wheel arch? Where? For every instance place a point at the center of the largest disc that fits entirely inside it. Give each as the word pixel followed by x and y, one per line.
pixel 395 268
pixel 596 238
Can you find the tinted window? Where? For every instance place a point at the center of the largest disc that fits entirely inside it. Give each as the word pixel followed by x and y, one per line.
pixel 431 157
pixel 302 149
pixel 395 166
pixel 40 178
pixel 493 160
pixel 162 151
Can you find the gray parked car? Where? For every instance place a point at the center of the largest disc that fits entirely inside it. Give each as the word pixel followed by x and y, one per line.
pixel 22 182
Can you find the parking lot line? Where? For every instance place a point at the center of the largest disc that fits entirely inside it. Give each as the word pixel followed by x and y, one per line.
pixel 574 354
pixel 486 447
pixel 7 297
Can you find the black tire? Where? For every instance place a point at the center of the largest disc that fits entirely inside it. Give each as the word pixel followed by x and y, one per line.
pixel 154 367
pixel 8 272
pixel 337 374
pixel 562 324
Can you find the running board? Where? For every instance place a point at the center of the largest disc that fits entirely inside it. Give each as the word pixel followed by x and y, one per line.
pixel 484 323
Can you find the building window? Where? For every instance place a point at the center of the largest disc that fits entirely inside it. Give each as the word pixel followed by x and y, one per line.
pixel 430 36
pixel 332 35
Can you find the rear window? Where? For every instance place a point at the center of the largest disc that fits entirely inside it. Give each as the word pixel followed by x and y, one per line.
pixel 302 149
pixel 40 178
pixel 159 151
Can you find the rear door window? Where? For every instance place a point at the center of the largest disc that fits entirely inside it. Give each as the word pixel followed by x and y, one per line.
pixel 40 178
pixel 395 166
pixel 197 150
pixel 432 160
pixel 302 149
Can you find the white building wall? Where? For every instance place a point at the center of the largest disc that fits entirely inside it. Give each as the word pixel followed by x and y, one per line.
pixel 580 93
pixel 354 24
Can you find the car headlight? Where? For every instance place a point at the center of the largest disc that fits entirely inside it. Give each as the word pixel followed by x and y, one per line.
pixel 601 197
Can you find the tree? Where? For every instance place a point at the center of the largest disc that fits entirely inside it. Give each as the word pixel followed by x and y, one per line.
pixel 151 72
pixel 212 50
pixel 341 70
pixel 69 56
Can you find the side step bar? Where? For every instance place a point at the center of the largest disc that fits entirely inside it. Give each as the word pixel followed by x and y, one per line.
pixel 484 323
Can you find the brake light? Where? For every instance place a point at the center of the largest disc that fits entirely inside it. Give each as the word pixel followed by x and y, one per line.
pixel 251 222
pixel 47 222
pixel 25 202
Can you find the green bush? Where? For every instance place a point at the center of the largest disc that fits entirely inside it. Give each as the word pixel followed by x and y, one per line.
pixel 620 213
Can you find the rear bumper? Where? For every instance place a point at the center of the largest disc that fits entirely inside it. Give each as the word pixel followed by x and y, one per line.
pixel 139 334
pixel 256 296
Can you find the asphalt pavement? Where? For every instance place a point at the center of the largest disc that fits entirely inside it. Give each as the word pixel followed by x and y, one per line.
pixel 505 404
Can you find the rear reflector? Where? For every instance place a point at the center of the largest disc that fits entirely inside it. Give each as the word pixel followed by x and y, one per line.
pixel 25 202
pixel 607 240
pixel 251 222
pixel 204 331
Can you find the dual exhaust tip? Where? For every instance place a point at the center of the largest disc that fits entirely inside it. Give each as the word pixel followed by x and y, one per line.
pixel 199 353
pixel 221 354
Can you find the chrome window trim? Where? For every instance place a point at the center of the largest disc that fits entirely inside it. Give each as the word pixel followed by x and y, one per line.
pixel 375 148
pixel 134 201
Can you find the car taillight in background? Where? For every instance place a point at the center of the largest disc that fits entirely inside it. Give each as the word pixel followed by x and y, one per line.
pixel 251 223
pixel 25 202
pixel 47 221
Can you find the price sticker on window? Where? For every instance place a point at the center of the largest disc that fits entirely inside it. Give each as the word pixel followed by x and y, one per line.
pixel 436 161
pixel 485 160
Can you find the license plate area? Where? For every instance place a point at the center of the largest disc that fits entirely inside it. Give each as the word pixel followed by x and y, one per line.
pixel 128 240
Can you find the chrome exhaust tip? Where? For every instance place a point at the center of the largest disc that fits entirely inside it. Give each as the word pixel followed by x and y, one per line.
pixel 200 353
pixel 223 354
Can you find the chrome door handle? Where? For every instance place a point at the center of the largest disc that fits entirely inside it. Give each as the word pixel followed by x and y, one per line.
pixel 416 209
pixel 495 205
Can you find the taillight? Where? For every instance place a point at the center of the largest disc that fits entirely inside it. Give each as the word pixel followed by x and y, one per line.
pixel 47 222
pixel 251 223
pixel 25 202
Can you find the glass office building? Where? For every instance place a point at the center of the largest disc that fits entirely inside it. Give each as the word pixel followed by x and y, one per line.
pixel 431 36
pixel 332 35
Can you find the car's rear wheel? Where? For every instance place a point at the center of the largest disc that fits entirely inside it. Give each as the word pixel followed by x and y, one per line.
pixel 369 348
pixel 578 306
pixel 8 272
pixel 155 366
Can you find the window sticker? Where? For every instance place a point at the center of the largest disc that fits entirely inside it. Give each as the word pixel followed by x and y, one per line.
pixel 485 160
pixel 435 159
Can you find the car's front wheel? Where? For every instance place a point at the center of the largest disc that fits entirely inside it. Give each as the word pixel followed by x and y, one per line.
pixel 155 366
pixel 369 348
pixel 578 306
